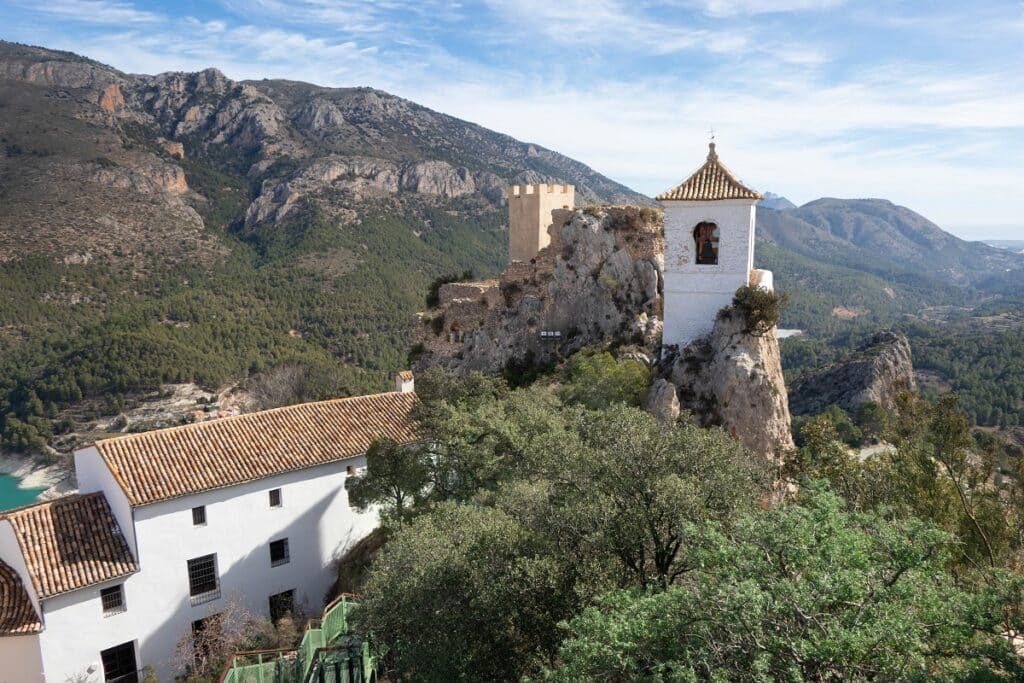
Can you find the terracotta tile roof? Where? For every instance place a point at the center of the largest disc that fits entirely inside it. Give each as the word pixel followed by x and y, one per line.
pixel 169 463
pixel 405 375
pixel 17 615
pixel 712 181
pixel 70 543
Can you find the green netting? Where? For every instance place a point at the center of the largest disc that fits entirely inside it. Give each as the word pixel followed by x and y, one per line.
pixel 278 670
pixel 325 655
pixel 335 622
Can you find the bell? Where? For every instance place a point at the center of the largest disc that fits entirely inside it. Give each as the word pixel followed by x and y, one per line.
pixel 707 252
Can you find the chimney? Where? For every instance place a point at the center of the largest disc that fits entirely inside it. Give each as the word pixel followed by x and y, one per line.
pixel 405 383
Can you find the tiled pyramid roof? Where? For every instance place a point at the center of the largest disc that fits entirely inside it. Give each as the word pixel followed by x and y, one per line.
pixel 70 543
pixel 712 181
pixel 17 615
pixel 170 463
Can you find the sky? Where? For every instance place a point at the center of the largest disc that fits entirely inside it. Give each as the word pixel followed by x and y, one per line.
pixel 921 103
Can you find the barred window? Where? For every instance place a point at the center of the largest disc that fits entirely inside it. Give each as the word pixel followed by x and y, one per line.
pixel 275 498
pixel 281 604
pixel 112 600
pixel 199 515
pixel 203 585
pixel 279 552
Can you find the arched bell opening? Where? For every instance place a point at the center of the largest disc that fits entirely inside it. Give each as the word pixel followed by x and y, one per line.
pixel 705 238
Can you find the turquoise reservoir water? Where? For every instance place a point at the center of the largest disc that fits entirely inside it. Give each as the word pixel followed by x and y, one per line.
pixel 11 496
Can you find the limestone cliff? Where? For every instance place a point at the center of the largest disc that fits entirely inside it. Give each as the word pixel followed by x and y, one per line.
pixel 878 371
pixel 600 282
pixel 733 378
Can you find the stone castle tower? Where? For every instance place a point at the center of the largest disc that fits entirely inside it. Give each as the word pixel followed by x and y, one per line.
pixel 529 216
pixel 709 248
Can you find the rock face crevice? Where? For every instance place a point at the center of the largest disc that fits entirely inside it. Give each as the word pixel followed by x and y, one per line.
pixel 599 282
pixel 877 372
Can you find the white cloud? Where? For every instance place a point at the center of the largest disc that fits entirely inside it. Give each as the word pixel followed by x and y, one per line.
pixel 731 8
pixel 109 12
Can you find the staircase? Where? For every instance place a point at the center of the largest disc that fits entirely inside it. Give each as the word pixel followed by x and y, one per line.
pixel 328 653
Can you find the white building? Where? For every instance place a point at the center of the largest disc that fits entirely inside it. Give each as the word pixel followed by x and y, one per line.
pixel 172 524
pixel 709 248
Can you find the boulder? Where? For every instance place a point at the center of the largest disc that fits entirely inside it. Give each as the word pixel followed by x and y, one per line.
pixel 663 401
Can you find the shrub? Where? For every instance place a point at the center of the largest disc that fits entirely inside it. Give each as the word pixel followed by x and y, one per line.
pixel 434 292
pixel 760 308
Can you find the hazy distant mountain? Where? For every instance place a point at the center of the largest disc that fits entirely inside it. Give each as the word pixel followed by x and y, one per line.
pixel 777 202
pixel 1012 245
pixel 865 256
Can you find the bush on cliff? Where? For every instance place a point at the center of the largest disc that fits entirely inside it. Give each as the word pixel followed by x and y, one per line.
pixel 760 308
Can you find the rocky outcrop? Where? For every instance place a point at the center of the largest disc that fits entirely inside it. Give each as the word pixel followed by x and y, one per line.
pixel 362 177
pixel 59 74
pixel 318 116
pixel 112 99
pixel 145 178
pixel 878 371
pixel 599 280
pixel 175 149
pixel 733 379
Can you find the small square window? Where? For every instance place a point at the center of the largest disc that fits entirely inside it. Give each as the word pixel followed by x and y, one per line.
pixel 113 600
pixel 350 470
pixel 275 498
pixel 199 516
pixel 279 552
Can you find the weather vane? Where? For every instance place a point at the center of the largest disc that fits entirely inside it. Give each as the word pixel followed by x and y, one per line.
pixel 711 132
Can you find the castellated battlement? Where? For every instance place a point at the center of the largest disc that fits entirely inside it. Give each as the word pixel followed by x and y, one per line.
pixel 520 191
pixel 530 220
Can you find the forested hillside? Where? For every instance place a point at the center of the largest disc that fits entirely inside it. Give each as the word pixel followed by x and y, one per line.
pixel 188 228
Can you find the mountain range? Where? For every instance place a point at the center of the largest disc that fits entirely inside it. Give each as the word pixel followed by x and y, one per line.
pixel 185 227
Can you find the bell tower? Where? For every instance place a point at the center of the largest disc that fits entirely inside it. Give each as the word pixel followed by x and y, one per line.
pixel 709 248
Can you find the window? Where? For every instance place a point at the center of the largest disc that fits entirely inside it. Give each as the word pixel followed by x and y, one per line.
pixel 202 579
pixel 279 552
pixel 206 633
pixel 119 664
pixel 275 498
pixel 705 238
pixel 199 516
pixel 350 470
pixel 112 600
pixel 281 605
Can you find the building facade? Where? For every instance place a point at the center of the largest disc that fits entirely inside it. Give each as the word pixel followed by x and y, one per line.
pixel 173 526
pixel 709 248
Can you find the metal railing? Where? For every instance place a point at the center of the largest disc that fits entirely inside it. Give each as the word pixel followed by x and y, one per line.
pixel 327 650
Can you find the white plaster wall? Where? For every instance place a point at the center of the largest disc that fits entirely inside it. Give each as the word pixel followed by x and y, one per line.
pixel 92 474
pixel 695 293
pixel 10 553
pixel 76 631
pixel 315 517
pixel 19 659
